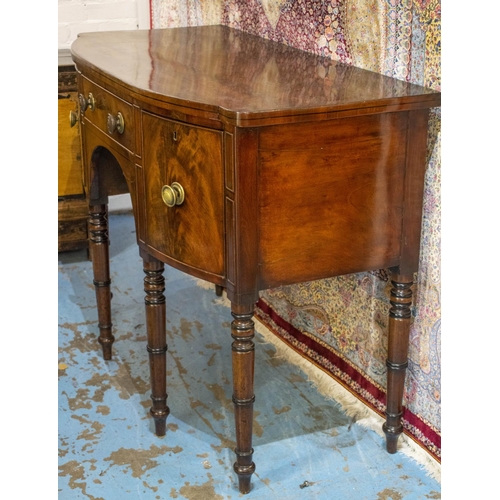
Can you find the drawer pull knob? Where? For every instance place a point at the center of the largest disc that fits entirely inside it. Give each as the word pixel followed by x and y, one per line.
pixel 86 103
pixel 116 123
pixel 73 118
pixel 172 195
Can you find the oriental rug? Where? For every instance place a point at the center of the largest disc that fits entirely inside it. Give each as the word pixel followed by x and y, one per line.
pixel 340 324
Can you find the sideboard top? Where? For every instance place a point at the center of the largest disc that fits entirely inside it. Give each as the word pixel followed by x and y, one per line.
pixel 238 75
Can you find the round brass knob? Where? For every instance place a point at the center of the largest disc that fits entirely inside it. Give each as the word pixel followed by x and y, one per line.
pixel 86 103
pixel 172 195
pixel 116 123
pixel 73 118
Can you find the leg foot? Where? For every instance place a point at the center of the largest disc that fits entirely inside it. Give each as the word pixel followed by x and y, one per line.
pixel 107 352
pixel 391 436
pixel 242 332
pixel 244 477
pixel 160 418
pixel 99 248
pixel 154 286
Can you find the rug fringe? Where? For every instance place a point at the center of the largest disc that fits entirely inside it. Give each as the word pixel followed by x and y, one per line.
pixel 331 389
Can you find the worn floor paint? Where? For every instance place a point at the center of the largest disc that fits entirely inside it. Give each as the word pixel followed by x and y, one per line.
pixel 305 447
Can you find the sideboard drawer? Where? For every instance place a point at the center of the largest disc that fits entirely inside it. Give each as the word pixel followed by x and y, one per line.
pixel 109 113
pixel 191 232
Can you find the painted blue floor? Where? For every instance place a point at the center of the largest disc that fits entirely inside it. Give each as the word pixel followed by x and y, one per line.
pixel 305 447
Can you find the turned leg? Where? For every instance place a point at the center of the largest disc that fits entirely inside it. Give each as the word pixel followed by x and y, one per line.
pixel 397 358
pixel 242 331
pixel 154 286
pixel 99 248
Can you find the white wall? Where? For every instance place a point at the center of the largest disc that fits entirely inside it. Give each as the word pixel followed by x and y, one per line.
pixel 78 16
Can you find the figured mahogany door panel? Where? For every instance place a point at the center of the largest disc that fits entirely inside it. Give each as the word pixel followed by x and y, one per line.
pixel 191 233
pixel 331 197
pixel 105 108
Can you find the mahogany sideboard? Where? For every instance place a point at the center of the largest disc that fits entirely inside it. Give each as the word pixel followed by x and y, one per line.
pixel 251 165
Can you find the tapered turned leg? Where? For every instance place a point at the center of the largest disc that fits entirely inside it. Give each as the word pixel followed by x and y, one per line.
pixel 397 359
pixel 243 349
pixel 154 286
pixel 99 248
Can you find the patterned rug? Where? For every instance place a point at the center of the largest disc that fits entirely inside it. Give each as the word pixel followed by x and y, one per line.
pixel 340 324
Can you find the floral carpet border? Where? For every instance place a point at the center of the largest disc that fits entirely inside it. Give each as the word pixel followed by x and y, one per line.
pixel 370 393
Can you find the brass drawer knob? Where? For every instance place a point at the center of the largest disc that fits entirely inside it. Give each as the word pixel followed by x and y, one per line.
pixel 73 118
pixel 172 195
pixel 116 123
pixel 86 102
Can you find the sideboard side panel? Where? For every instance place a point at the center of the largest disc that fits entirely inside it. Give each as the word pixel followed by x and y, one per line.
pixel 331 197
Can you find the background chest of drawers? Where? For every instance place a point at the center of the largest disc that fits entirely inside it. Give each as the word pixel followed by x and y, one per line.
pixel 72 206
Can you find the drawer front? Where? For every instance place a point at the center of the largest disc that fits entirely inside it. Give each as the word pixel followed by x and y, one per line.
pixel 191 233
pixel 105 114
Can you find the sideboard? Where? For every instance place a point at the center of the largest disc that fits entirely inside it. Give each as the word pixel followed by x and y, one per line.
pixel 250 165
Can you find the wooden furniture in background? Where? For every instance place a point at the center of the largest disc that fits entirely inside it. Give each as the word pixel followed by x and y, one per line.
pixel 251 165
pixel 73 208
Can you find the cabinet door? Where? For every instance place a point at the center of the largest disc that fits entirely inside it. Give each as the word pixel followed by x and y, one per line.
pixel 190 233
